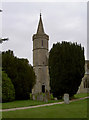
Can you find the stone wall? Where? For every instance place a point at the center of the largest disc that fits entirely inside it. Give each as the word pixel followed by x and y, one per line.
pixel 42 78
pixel 84 87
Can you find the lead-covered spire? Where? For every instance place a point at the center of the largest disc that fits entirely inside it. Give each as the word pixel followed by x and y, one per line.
pixel 40 29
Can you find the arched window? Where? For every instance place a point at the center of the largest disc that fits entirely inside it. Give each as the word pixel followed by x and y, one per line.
pixel 86 83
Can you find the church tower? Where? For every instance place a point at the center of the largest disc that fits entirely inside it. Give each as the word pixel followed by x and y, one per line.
pixel 40 60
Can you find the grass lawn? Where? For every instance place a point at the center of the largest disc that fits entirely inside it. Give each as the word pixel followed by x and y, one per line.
pixel 76 109
pixel 81 95
pixel 25 103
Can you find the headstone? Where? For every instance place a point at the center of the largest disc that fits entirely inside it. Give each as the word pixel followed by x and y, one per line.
pixel 66 98
pixel 34 97
pixel 55 98
pixel 45 99
pixel 40 97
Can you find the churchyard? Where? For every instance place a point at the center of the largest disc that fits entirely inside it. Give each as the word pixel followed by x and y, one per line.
pixel 58 72
pixel 76 109
pixel 25 103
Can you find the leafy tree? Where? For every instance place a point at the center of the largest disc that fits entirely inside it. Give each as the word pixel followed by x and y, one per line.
pixel 66 68
pixel 3 39
pixel 21 74
pixel 8 91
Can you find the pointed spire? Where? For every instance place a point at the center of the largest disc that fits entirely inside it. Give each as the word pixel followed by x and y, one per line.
pixel 40 29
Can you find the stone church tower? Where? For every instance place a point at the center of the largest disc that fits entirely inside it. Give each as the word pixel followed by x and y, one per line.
pixel 40 60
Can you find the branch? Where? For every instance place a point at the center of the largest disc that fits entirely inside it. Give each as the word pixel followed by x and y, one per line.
pixel 3 39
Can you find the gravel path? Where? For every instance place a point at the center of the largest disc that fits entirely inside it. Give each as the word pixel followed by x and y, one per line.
pixel 22 108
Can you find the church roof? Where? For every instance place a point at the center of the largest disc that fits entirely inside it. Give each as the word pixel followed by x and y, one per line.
pixel 40 29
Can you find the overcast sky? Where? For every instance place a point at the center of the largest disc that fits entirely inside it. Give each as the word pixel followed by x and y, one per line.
pixel 65 21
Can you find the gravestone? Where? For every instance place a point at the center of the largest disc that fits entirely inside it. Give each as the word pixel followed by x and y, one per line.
pixel 40 97
pixel 45 98
pixel 66 98
pixel 34 97
pixel 55 98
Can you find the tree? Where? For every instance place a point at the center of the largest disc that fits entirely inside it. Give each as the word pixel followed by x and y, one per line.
pixel 3 39
pixel 21 74
pixel 8 91
pixel 66 68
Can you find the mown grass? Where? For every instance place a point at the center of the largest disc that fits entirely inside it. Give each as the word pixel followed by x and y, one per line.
pixel 25 103
pixel 81 95
pixel 76 109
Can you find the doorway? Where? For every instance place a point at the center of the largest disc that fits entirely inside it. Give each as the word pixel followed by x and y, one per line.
pixel 43 88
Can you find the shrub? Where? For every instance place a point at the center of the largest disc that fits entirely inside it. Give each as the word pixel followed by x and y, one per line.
pixel 52 98
pixel 21 74
pixel 66 68
pixel 8 91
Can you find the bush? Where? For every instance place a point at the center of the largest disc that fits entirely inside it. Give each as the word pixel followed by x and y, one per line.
pixel 8 91
pixel 66 68
pixel 21 74
pixel 52 98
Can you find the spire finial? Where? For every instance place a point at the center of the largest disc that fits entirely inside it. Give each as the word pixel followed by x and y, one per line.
pixel 40 29
pixel 40 12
